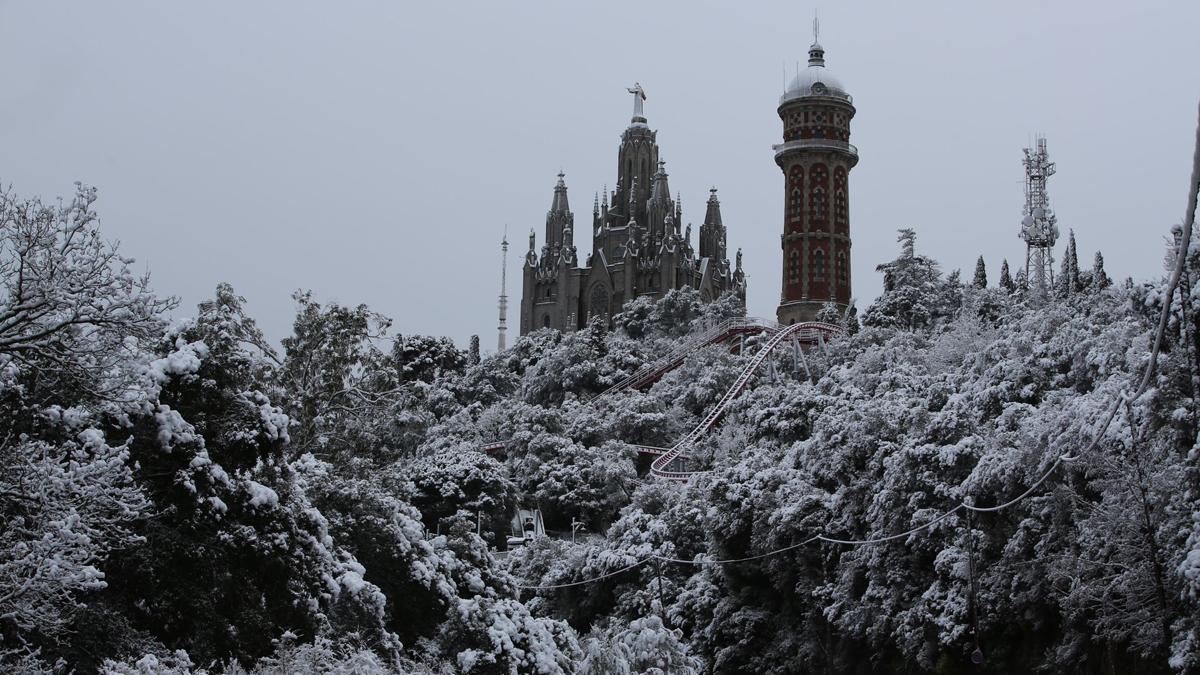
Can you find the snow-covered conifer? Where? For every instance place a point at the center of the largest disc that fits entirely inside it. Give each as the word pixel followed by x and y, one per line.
pixel 980 280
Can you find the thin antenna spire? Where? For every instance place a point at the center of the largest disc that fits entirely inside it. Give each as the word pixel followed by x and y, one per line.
pixel 503 328
pixel 816 27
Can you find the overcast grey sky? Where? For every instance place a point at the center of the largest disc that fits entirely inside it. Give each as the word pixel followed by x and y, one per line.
pixel 374 151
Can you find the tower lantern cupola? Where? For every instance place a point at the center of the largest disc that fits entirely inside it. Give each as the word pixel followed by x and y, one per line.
pixel 816 53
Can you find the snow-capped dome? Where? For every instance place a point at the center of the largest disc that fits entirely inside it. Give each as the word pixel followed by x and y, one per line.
pixel 816 80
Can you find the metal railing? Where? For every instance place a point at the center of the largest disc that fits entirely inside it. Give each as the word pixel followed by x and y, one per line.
pixel 811 331
pixel 818 143
pixel 717 333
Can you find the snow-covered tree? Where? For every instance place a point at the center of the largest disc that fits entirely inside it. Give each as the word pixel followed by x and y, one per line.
pixel 425 358
pixel 1006 281
pixel 914 294
pixel 980 280
pixel 1099 278
pixel 70 303
pixel 65 508
pixel 1068 282
pixel 335 376
pixel 643 647
pixel 829 314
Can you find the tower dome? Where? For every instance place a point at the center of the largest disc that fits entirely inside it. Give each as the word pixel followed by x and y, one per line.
pixel 816 79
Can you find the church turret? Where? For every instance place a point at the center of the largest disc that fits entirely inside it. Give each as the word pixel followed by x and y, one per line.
pixel 712 231
pixel 661 208
pixel 559 217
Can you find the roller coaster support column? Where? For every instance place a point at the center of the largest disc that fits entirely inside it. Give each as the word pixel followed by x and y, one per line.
pixel 771 374
pixel 803 361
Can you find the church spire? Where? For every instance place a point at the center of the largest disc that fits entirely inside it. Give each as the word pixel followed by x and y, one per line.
pixel 712 216
pixel 660 192
pixel 712 231
pixel 559 205
pixel 559 220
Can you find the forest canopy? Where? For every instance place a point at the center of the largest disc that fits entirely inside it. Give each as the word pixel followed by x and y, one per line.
pixel 181 495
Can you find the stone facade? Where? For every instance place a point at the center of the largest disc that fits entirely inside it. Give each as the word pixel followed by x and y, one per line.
pixel 637 246
pixel 816 158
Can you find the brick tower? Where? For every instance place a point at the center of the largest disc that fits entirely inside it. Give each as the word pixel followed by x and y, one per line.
pixel 816 158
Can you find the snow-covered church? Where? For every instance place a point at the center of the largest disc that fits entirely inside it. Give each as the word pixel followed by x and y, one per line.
pixel 638 248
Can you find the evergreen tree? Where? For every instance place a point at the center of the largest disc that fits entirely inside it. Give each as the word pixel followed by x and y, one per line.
pixel 829 313
pixel 426 358
pixel 473 352
pixel 1006 281
pixel 914 293
pixel 1099 278
pixel 1068 276
pixel 980 280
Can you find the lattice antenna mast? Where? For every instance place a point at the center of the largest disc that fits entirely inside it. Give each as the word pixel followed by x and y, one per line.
pixel 501 340
pixel 1038 227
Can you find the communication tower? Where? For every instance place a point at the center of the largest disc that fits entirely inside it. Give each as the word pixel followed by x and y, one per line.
pixel 503 328
pixel 1038 227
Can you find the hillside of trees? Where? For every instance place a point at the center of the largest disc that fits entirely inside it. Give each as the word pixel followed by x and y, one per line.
pixel 180 495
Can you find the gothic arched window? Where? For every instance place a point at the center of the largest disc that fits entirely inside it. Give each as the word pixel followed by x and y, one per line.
pixel 819 265
pixel 842 272
pixel 841 217
pixel 794 267
pixel 796 194
pixel 818 179
pixel 545 321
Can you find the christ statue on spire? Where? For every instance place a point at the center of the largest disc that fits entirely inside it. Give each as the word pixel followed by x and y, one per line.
pixel 639 95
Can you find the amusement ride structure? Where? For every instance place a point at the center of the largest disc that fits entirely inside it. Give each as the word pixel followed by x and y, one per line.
pixel 671 463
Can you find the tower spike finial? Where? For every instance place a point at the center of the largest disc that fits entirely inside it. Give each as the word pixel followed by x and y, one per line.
pixel 816 27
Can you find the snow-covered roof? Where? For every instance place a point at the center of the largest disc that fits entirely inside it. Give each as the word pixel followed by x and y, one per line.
pixel 802 84
pixel 815 80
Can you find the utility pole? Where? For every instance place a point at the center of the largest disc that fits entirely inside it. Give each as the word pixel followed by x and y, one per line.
pixel 662 608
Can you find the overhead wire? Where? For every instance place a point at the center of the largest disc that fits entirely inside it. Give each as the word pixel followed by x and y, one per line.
pixel 585 581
